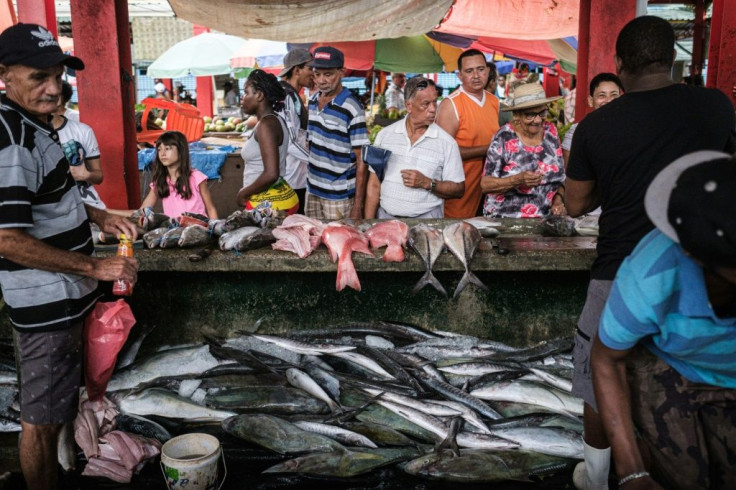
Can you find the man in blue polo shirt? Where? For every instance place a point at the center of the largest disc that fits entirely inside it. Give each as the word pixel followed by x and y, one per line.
pixel 337 177
pixel 664 360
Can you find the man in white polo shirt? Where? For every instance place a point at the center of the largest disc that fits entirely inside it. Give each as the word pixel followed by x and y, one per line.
pixel 425 166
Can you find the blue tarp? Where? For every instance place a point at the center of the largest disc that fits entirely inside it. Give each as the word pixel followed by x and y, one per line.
pixel 208 161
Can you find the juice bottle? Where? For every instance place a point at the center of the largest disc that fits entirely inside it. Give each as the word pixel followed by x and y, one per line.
pixel 121 287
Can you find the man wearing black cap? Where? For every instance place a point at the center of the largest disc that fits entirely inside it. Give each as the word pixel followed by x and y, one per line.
pixel 616 152
pixel 296 75
pixel 48 273
pixel 670 325
pixel 337 178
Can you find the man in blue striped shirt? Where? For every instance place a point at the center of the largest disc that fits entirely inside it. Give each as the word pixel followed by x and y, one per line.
pixel 670 326
pixel 48 271
pixel 337 177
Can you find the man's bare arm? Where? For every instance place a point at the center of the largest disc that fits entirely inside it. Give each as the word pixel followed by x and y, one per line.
pixel 581 196
pixel 18 246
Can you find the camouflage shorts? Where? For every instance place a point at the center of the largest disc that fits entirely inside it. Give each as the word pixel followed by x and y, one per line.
pixel 688 428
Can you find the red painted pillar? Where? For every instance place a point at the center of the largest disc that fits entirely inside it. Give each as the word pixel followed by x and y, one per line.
pixel 722 52
pixel 600 23
pixel 107 95
pixel 33 12
pixel 51 17
pixel 696 67
pixel 205 92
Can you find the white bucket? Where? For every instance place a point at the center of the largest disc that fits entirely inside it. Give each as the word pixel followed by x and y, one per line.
pixel 190 461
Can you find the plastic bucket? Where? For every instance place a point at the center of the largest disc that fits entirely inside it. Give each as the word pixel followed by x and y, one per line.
pixel 190 461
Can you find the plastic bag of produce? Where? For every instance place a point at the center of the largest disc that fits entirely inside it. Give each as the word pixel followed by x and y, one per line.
pixel 106 329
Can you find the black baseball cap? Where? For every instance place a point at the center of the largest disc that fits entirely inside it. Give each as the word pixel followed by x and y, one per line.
pixel 33 45
pixel 328 57
pixel 692 201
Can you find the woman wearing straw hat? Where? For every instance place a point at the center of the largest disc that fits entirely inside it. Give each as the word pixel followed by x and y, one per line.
pixel 524 170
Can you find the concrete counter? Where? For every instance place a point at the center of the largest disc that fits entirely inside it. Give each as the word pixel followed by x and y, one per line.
pixel 536 290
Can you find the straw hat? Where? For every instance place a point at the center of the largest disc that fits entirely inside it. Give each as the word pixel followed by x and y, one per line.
pixel 528 95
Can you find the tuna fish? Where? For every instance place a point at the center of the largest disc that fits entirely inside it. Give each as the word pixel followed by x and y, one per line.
pixel 462 240
pixel 194 236
pixel 277 434
pixel 342 241
pixel 229 240
pixel 170 239
pixel 152 239
pixel 391 234
pixel 429 244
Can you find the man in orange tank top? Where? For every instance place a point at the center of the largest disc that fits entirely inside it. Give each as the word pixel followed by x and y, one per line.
pixel 470 115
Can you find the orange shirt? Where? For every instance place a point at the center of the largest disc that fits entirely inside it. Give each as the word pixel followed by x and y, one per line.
pixel 477 123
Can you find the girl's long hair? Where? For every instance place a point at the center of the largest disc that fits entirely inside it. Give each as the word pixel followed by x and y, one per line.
pixel 161 175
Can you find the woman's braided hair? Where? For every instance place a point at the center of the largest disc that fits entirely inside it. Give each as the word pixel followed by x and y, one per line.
pixel 269 85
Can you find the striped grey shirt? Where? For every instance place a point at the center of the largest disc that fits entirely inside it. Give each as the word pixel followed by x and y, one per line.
pixel 38 194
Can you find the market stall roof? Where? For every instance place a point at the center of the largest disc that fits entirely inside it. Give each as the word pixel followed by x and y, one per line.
pixel 310 20
pixel 512 19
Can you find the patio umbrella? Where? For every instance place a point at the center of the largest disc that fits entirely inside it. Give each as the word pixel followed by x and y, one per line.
pixel 259 53
pixel 206 54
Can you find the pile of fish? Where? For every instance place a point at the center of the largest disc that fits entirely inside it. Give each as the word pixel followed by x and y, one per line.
pixel 342 402
pixel 195 230
pixel 300 235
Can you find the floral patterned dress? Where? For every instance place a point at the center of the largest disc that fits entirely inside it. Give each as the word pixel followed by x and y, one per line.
pixel 508 156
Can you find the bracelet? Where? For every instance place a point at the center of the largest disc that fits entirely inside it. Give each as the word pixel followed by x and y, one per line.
pixel 633 476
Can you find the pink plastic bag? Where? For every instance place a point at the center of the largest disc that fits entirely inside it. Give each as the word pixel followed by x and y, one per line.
pixel 106 330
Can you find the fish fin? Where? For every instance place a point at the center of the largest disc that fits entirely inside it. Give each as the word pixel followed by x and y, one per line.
pixel 393 253
pixel 346 274
pixel 468 278
pixel 429 278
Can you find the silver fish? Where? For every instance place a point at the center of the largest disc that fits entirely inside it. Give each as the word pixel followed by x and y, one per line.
pixel 174 362
pixel 301 380
pixel 65 448
pixel 531 393
pixel 163 403
pixel 170 239
pixel 229 240
pixel 195 236
pixel 462 240
pixel 341 435
pixel 304 347
pixel 429 244
pixel 127 356
pixel 152 239
pixel 546 440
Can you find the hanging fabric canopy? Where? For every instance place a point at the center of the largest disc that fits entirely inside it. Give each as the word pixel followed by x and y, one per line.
pixel 310 20
pixel 415 54
pixel 512 19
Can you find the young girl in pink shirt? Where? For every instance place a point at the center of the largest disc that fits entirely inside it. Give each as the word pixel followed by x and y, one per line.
pixel 180 187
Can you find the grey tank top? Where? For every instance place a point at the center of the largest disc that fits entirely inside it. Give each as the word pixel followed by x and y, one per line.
pixel 253 159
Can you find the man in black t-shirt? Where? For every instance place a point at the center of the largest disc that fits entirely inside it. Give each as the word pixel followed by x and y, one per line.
pixel 616 152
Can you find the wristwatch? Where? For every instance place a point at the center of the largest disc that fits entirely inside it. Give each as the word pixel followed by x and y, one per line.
pixel 433 185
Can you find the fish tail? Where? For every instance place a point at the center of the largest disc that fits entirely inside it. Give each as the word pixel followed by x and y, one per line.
pixel 468 278
pixel 346 274
pixel 429 278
